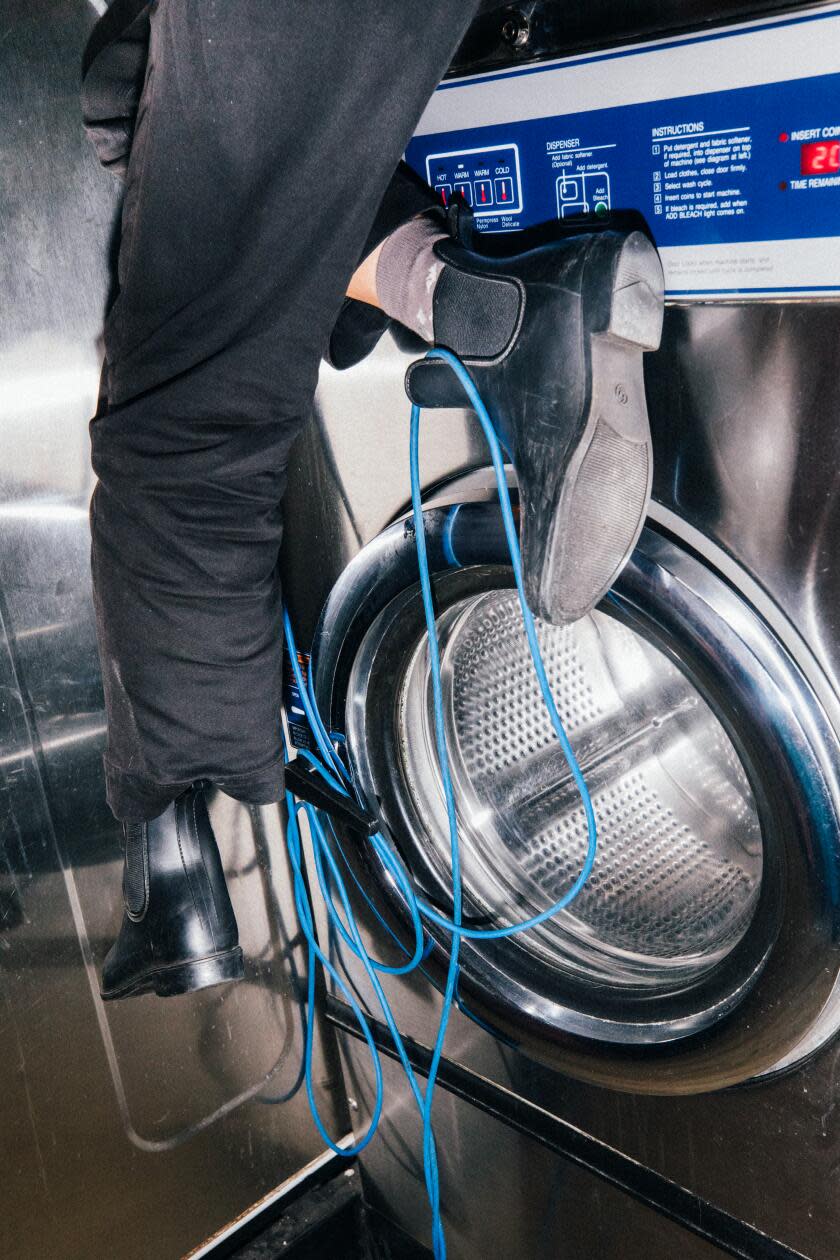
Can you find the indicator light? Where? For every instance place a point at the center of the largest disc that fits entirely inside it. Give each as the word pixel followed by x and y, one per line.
pixel 504 192
pixel 483 193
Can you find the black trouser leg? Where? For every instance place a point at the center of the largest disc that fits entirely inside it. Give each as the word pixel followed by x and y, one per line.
pixel 266 136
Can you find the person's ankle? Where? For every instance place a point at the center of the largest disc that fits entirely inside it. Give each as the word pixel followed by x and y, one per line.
pixel 362 286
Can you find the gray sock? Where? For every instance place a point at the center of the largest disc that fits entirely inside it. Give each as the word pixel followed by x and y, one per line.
pixel 407 273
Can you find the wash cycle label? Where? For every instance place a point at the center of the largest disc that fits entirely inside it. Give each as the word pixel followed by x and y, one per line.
pixel 728 142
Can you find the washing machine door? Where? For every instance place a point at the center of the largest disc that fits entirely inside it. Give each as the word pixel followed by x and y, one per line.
pixel 703 950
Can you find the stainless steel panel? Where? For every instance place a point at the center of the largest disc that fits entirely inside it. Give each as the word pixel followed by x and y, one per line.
pixel 503 1195
pixel 767 1153
pixel 744 404
pixel 143 1127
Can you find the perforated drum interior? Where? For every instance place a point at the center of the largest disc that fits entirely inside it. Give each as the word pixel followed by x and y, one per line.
pixel 679 864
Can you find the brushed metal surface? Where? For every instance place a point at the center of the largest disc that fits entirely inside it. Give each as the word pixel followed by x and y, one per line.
pixel 744 402
pixel 141 1128
pixel 503 1194
pixel 744 406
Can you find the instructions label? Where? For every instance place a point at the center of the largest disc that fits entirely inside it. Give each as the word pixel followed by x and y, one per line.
pixel 704 177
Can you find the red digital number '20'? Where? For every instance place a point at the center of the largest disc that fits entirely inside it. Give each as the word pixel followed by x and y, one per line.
pixel 820 158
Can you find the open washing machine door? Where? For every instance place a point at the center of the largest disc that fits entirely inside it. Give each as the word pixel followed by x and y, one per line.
pixel 703 950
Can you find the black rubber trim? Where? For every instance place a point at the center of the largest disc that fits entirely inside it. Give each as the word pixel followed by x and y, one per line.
pixel 557 29
pixel 325 1194
pixel 731 1235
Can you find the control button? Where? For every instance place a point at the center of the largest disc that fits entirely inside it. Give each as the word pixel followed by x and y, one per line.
pixel 504 191
pixel 483 190
pixel 488 179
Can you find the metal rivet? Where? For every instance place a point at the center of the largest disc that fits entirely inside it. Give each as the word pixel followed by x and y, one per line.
pixel 516 30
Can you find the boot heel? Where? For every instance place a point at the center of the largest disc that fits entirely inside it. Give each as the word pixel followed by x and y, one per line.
pixel 201 974
pixel 638 294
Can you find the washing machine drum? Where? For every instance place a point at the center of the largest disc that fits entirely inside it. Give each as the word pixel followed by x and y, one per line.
pixel 702 949
pixel 678 874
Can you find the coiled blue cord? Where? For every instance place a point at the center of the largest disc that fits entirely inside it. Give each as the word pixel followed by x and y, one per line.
pixel 327 870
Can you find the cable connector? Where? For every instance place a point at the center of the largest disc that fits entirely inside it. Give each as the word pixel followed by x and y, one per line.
pixel 304 782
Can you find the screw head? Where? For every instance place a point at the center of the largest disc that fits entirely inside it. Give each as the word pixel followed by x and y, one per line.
pixel 516 30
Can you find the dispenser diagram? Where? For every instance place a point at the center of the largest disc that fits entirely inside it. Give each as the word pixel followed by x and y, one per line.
pixel 582 192
pixel 582 182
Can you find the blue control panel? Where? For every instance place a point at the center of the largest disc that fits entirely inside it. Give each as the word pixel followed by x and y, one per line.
pixel 740 182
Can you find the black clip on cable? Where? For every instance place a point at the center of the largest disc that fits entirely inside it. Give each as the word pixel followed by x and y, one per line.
pixel 460 220
pixel 304 782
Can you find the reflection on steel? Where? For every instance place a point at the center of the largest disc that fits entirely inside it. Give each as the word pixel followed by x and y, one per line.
pixel 743 403
pixel 143 1127
pixel 647 1237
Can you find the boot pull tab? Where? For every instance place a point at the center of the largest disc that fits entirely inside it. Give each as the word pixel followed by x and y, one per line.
pixel 460 221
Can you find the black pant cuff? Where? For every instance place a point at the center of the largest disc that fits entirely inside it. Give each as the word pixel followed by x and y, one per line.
pixel 134 798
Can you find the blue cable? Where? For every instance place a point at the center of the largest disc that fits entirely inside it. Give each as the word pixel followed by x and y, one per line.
pixel 449 796
pixel 430 1155
pixel 304 914
pixel 328 873
pixel 383 923
pixel 307 699
pixel 486 423
pixel 398 873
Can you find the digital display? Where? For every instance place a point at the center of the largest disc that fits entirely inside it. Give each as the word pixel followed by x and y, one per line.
pixel 820 158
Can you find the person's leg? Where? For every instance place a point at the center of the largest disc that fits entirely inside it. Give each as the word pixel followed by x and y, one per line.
pixel 264 142
pixel 261 140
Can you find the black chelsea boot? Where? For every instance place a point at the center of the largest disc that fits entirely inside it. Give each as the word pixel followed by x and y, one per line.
pixel 553 339
pixel 179 931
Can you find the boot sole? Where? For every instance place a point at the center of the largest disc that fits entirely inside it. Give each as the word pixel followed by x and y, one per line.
pixel 186 977
pixel 605 488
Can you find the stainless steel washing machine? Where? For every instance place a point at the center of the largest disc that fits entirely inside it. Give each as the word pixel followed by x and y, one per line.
pixel 652 1071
